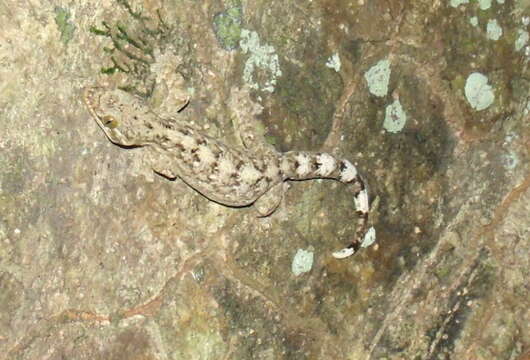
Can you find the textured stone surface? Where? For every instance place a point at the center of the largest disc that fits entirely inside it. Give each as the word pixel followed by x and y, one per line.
pixel 102 259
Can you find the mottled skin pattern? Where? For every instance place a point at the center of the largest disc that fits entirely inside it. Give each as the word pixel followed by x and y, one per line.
pixel 228 175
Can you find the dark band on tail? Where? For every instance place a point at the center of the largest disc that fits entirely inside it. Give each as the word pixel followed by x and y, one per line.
pixel 304 165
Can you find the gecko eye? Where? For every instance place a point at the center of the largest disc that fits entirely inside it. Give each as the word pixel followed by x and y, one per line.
pixel 109 121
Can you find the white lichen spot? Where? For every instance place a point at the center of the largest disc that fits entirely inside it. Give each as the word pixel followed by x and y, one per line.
pixel 478 92
pixel 525 20
pixel 327 164
pixel 484 4
pixel 302 262
pixel 522 39
pixel 395 117
pixel 334 62
pixel 378 78
pixel 456 3
pixel 510 160
pixel 493 30
pixel 261 57
pixel 349 172
pixel 304 166
pixel 500 1
pixel 473 21
pixel 369 238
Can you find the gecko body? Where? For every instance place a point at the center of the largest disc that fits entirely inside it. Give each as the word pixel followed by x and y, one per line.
pixel 228 175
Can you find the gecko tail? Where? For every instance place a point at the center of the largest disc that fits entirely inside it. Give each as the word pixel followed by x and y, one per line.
pixel 344 253
pixel 299 165
pixel 362 208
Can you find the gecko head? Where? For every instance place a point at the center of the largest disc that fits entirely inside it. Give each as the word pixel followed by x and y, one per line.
pixel 118 114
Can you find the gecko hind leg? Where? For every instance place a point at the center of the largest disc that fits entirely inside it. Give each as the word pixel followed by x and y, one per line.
pixel 269 202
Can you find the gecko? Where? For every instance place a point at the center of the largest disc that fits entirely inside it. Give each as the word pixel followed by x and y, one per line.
pixel 230 175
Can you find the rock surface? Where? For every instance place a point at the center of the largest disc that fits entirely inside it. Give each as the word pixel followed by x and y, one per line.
pixel 102 259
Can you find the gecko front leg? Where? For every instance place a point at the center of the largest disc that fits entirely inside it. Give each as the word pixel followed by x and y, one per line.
pixel 269 202
pixel 248 128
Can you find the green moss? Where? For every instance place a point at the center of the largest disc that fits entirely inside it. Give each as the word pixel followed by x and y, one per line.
pixel 130 45
pixel 443 271
pixel 272 140
pixel 66 28
pixel 227 27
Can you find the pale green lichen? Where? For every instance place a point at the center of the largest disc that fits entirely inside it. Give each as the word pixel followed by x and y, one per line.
pixel 493 30
pixel 395 117
pixel 334 62
pixel 473 21
pixel 478 92
pixel 302 262
pixel 378 78
pixel 261 57
pixel 510 161
pixel 456 3
pixel 66 28
pixel 227 27
pixel 484 4
pixel 522 39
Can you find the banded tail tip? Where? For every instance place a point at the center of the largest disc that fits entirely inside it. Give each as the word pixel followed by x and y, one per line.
pixel 368 240
pixel 344 253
